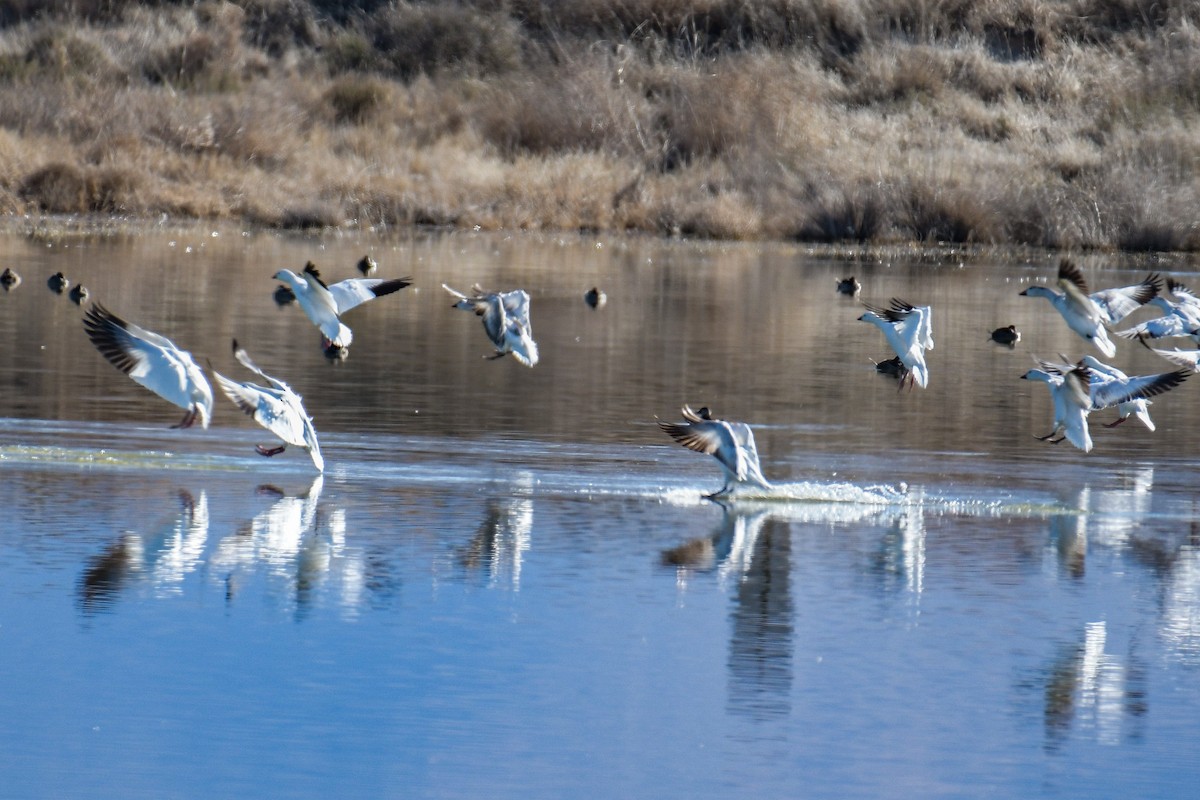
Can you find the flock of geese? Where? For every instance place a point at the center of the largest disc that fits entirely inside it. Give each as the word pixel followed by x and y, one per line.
pixel 1077 389
pixel 155 362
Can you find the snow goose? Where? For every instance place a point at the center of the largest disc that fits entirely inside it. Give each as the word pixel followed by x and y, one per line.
pixel 731 443
pixel 909 331
pixel 324 304
pixel 505 319
pixel 275 407
pixel 152 361
pixel 1084 313
pixel 1107 382
pixel 1180 317
pixel 1080 389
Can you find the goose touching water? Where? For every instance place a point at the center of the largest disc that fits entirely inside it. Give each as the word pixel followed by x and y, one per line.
pixel 909 330
pixel 152 361
pixel 324 303
pixel 730 443
pixel 505 319
pixel 275 407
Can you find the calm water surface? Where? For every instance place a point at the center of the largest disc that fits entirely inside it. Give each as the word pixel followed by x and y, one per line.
pixel 507 584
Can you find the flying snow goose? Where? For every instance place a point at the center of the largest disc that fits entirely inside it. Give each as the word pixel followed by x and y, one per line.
pixel 731 443
pixel 324 304
pixel 505 319
pixel 1081 311
pixel 275 407
pixel 1108 381
pixel 1080 389
pixel 1184 358
pixel 1180 317
pixel 909 331
pixel 153 361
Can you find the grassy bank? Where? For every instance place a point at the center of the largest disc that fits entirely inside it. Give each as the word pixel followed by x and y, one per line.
pixel 1049 123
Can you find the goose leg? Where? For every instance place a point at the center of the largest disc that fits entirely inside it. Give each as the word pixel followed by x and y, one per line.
pixel 1115 424
pixel 269 451
pixel 188 419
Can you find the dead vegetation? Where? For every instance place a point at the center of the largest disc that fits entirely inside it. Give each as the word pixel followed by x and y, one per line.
pixel 1047 123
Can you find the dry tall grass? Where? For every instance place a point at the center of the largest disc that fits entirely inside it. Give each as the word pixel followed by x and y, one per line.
pixel 1056 123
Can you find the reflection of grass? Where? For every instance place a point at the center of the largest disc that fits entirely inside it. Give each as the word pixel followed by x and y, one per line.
pixel 1060 123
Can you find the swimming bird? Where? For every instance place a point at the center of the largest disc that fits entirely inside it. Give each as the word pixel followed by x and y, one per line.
pixel 731 443
pixel 9 279
pixel 152 361
pixel 849 286
pixel 1087 314
pixel 505 319
pixel 324 304
pixel 275 407
pixel 283 295
pixel 909 331
pixel 892 367
pixel 366 265
pixel 595 298
pixel 1008 336
pixel 78 294
pixel 58 283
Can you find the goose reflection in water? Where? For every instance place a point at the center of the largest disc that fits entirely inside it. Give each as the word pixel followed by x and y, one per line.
pixel 1101 691
pixel 300 547
pixel 499 545
pixel 161 558
pixel 900 559
pixel 750 551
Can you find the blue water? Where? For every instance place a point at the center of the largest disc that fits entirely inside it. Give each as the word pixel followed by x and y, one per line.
pixel 508 582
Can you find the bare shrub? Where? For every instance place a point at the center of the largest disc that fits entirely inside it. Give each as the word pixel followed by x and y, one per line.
pixel 354 99
pixel 856 214
pixel 940 213
pixel 58 188
pixel 413 39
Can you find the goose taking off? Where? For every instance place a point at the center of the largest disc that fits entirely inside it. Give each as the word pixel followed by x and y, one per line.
pixel 731 443
pixel 909 330
pixel 1087 314
pixel 276 407
pixel 153 361
pixel 324 304
pixel 505 319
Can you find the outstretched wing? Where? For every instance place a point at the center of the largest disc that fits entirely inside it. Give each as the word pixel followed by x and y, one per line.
pixel 354 292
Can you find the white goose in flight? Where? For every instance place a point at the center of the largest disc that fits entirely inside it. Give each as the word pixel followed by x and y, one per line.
pixel 505 319
pixel 276 407
pixel 1180 317
pixel 1087 314
pixel 909 330
pixel 152 361
pixel 1078 389
pixel 731 443
pixel 324 304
